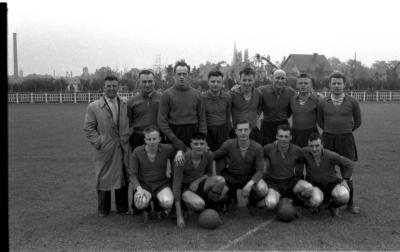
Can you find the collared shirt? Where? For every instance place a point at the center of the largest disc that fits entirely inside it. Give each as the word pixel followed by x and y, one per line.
pixel 341 119
pixel 280 168
pixel 304 116
pixel 251 165
pixel 141 169
pixel 325 172
pixel 218 109
pixel 276 105
pixel 242 109
pixel 185 174
pixel 143 110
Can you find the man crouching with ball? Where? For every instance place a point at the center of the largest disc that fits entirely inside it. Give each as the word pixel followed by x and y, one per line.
pixel 321 172
pixel 195 181
pixel 148 173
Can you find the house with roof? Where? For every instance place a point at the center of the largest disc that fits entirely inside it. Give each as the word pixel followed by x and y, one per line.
pixel 314 64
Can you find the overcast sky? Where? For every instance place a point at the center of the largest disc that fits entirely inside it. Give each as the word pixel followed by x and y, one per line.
pixel 68 35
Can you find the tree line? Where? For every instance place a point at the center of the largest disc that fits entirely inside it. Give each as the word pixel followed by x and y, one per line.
pixel 382 75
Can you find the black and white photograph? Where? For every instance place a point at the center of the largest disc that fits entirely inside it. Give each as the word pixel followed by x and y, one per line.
pixel 202 125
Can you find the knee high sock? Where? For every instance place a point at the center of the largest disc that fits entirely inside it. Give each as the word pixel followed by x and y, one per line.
pixel 351 187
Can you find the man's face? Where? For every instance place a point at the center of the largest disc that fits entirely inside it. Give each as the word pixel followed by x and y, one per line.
pixel 246 82
pixel 110 88
pixel 215 83
pixel 181 76
pixel 315 146
pixel 147 83
pixel 243 131
pixel 152 139
pixel 284 137
pixel 304 85
pixel 199 146
pixel 336 85
pixel 279 78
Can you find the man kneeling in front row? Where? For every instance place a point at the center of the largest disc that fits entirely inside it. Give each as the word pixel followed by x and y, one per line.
pixel 148 173
pixel 195 181
pixel 285 166
pixel 320 169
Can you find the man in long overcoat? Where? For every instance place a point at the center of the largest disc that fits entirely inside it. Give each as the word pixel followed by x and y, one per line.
pixel 107 129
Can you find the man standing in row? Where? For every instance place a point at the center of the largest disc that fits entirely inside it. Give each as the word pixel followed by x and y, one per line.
pixel 181 111
pixel 107 129
pixel 304 111
pixel 338 116
pixel 275 106
pixel 218 111
pixel 143 108
pixel 247 102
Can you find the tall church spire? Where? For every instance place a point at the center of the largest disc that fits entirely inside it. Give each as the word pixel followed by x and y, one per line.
pixel 234 58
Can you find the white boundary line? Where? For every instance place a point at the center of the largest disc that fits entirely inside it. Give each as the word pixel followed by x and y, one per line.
pixel 244 236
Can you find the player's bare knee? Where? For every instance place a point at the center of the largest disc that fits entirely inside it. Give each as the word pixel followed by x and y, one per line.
pixel 341 195
pixel 271 201
pixel 316 200
pixel 197 204
pixel 303 187
pixel 262 188
pixel 166 202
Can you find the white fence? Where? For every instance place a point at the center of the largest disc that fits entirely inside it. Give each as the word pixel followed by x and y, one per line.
pixel 87 97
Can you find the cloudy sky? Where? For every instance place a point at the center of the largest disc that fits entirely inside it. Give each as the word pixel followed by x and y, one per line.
pixel 65 36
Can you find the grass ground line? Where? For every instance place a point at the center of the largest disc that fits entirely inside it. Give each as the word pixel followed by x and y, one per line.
pixel 245 235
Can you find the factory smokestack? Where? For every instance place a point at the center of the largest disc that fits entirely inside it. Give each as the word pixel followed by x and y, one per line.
pixel 15 56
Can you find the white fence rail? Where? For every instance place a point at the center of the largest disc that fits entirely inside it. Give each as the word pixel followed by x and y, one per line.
pixel 87 97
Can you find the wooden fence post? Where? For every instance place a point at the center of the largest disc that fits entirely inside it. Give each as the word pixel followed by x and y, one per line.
pixel 31 98
pixel 17 99
pixel 60 98
pixel 74 97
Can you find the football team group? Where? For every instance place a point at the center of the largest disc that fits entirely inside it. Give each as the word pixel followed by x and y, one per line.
pixel 184 150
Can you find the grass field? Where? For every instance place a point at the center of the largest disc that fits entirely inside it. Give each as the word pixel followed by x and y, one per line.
pixel 53 202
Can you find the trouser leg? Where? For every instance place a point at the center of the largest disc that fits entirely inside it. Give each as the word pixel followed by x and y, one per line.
pixel 104 201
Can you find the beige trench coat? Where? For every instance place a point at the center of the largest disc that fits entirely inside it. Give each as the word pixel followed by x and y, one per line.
pixel 110 142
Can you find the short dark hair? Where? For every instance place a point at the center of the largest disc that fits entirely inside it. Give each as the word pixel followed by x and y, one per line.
pixel 150 129
pixel 337 75
pixel 284 127
pixel 215 73
pixel 247 71
pixel 145 72
pixel 242 121
pixel 198 136
pixel 181 63
pixel 306 75
pixel 314 136
pixel 110 78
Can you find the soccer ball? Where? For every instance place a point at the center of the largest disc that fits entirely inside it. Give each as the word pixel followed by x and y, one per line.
pixel 209 219
pixel 286 211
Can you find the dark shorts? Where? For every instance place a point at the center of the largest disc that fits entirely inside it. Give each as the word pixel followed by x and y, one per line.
pixel 255 135
pixel 300 137
pixel 326 188
pixel 184 132
pixel 343 144
pixel 268 131
pixel 285 186
pixel 216 136
pixel 200 190
pixel 155 187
